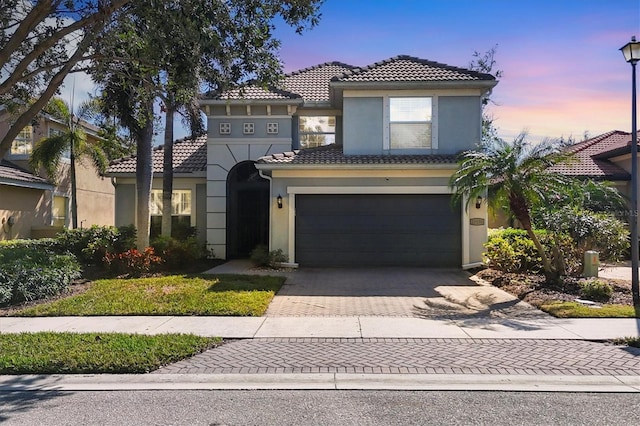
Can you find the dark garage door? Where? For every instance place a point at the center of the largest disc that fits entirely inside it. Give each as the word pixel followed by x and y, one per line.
pixel 377 230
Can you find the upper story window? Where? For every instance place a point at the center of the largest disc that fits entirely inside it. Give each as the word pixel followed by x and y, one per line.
pixel 317 131
pixel 23 143
pixel 57 132
pixel 410 122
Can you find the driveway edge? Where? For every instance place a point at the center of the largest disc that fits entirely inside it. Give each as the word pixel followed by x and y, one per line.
pixel 321 381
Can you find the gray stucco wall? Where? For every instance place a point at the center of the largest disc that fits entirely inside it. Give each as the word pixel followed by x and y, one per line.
pixel 260 127
pixel 125 205
pixel 363 125
pixel 459 123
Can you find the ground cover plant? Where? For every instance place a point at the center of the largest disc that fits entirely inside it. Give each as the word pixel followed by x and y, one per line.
pixel 76 353
pixel 231 295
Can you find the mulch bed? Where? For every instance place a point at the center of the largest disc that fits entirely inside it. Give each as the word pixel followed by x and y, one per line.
pixel 534 290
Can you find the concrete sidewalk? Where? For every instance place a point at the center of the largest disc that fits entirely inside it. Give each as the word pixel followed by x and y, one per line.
pixel 337 327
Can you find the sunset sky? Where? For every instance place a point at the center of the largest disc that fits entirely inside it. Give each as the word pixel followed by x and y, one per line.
pixel 563 72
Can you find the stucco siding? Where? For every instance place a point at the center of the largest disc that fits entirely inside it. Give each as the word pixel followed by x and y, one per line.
pixel 125 204
pixel 201 212
pixel 459 123
pixel 363 125
pixel 28 207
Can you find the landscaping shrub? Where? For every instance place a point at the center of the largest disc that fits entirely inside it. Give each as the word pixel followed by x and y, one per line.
pixel 594 289
pixel 601 232
pixel 132 262
pixel 90 245
pixel 261 256
pixel 511 250
pixel 178 254
pixel 28 272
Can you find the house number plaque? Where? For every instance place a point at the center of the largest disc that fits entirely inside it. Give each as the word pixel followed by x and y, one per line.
pixel 476 221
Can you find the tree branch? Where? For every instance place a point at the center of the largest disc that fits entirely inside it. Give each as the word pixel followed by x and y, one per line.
pixel 33 18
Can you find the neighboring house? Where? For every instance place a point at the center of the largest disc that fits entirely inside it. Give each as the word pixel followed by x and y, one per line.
pixel 38 208
pixel 340 166
pixel 605 157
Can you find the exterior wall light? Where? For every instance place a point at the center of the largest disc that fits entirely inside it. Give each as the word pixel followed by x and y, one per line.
pixel 279 201
pixel 478 202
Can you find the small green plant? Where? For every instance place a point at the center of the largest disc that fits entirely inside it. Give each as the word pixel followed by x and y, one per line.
pixel 261 256
pixel 90 245
pixel 595 289
pixel 132 262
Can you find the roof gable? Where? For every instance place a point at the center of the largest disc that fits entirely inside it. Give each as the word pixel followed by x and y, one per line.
pixel 590 157
pixel 406 68
pixel 189 156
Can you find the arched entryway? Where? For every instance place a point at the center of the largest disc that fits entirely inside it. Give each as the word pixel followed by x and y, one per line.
pixel 247 210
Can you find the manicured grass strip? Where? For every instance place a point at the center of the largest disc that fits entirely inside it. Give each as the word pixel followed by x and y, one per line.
pixel 229 295
pixel 578 310
pixel 74 353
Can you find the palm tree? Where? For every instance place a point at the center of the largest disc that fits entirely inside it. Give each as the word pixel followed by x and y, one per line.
pixel 516 174
pixel 48 152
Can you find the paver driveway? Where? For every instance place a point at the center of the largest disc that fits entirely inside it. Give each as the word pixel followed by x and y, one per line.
pixel 397 292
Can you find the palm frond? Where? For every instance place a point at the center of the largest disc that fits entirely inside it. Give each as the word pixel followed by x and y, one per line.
pixel 47 154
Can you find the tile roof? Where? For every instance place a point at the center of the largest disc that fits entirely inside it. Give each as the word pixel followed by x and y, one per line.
pixel 405 68
pixel 332 155
pixel 310 84
pixel 189 156
pixel 590 157
pixel 313 83
pixel 10 172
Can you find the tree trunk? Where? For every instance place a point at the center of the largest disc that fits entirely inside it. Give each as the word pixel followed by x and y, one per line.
pixel 167 171
pixel 520 210
pixel 144 176
pixel 74 186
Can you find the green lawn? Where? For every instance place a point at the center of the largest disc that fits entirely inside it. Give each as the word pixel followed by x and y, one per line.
pixel 232 295
pixel 578 310
pixel 73 353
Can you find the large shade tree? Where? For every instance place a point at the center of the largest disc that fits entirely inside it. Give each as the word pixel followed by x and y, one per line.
pixel 169 53
pixel 41 42
pixel 517 175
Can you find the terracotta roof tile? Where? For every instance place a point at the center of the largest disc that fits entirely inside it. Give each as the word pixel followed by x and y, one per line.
pixel 332 155
pixel 310 84
pixel 189 156
pixel 590 157
pixel 313 83
pixel 12 172
pixel 405 68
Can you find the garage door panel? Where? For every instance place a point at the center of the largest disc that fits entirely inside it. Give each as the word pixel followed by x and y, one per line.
pixel 377 229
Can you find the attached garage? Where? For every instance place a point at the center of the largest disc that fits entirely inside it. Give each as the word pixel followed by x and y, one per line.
pixel 377 230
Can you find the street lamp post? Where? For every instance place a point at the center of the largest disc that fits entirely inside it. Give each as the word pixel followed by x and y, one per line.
pixel 631 52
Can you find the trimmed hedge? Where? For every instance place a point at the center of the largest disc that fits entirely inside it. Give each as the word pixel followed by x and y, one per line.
pixel 31 271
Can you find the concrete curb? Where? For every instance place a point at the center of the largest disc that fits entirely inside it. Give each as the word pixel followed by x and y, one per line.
pixel 321 381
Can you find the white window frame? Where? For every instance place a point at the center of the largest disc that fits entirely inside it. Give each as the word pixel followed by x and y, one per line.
pixel 156 207
pixel 430 122
pixel 22 145
pixel 302 133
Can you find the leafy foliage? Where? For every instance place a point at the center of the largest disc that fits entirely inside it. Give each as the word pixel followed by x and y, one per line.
pixel 179 253
pixel 132 262
pixel 90 245
pixel 595 289
pixel 31 273
pixel 261 256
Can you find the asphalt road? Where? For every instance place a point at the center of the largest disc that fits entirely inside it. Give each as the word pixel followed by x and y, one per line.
pixel 316 408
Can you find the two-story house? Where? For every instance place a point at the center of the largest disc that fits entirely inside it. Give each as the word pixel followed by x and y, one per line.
pixel 339 166
pixel 30 205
